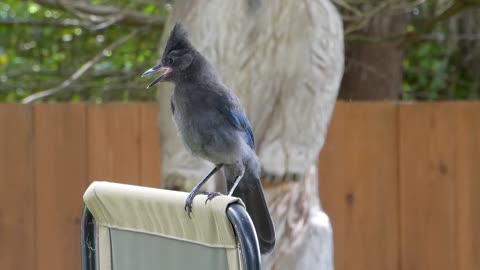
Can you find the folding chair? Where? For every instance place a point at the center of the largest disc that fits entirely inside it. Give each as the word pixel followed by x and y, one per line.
pixel 127 227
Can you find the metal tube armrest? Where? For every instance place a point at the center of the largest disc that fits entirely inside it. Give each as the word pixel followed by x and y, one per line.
pixel 88 241
pixel 245 231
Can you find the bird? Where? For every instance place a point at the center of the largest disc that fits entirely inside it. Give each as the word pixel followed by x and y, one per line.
pixel 212 125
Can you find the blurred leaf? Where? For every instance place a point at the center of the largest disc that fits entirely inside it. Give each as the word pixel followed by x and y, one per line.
pixel 149 9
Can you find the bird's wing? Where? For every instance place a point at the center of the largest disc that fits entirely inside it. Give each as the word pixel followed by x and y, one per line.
pixel 230 107
pixel 239 120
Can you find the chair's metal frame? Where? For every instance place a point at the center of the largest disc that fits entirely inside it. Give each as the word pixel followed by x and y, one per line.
pixel 88 240
pixel 236 213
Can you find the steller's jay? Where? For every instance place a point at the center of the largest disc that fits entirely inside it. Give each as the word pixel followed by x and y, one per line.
pixel 213 125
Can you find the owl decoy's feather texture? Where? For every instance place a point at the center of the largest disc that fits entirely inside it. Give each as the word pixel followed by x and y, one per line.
pixel 212 125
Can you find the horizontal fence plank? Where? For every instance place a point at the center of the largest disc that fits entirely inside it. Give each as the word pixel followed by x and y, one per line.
pixel 400 182
pixel 60 180
pixel 427 185
pixel 114 142
pixel 468 180
pixel 150 149
pixel 17 188
pixel 358 173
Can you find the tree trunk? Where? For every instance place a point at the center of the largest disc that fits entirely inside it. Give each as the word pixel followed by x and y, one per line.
pixel 373 69
pixel 284 59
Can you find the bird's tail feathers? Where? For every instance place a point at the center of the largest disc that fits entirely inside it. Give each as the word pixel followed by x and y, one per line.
pixel 251 192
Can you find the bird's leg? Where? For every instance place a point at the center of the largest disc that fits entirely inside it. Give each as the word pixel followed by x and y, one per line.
pixel 189 201
pixel 235 184
pixel 241 171
pixel 211 195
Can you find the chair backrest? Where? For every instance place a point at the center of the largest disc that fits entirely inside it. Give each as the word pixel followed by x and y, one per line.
pixel 131 227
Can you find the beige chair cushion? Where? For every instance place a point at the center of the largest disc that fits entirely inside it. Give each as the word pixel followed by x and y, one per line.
pixel 139 225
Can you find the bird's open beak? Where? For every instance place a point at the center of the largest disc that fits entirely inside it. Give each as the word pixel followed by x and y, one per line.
pixel 158 68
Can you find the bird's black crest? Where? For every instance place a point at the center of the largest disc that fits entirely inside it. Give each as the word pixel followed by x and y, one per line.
pixel 178 39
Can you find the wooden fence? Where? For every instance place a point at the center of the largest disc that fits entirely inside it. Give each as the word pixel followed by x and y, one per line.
pixel 399 181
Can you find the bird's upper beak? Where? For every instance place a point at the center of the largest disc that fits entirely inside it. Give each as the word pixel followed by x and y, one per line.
pixel 158 68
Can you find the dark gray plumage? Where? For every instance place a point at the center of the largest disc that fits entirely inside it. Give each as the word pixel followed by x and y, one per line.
pixel 213 125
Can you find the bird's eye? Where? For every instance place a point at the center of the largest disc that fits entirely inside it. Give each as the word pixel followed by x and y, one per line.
pixel 170 60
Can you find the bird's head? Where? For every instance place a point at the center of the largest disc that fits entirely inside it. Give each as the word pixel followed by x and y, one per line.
pixel 177 57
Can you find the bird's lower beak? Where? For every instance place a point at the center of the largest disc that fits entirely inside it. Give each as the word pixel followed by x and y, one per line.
pixel 159 68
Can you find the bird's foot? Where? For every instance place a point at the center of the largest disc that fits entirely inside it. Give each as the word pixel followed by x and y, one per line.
pixel 188 203
pixel 212 195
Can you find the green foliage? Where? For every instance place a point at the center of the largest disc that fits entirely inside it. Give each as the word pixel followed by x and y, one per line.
pixel 436 68
pixel 425 72
pixel 432 73
pixel 38 57
pixel 35 57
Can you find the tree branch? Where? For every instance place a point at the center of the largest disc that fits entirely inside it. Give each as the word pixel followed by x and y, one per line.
pixel 421 28
pixel 428 25
pixel 105 13
pixel 84 68
pixel 52 23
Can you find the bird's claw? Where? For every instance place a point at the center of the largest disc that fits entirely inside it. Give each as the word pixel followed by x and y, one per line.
pixel 188 205
pixel 212 195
